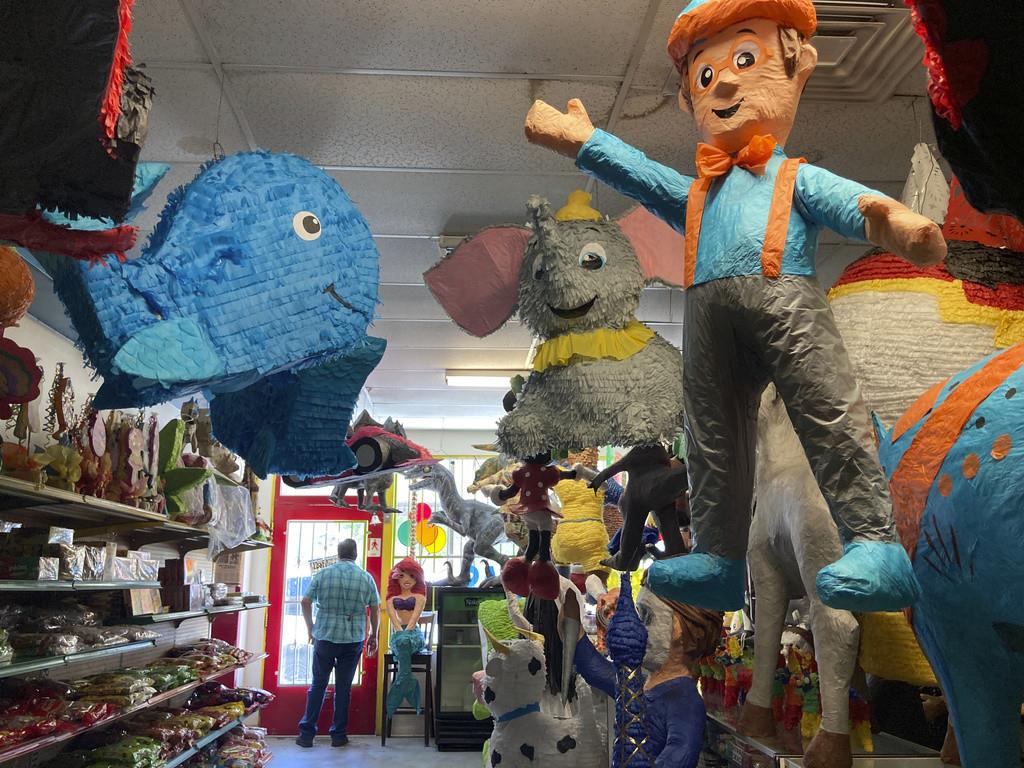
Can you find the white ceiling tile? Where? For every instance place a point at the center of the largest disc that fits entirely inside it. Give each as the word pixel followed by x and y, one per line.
pixel 409 302
pixel 443 203
pixel 517 36
pixel 183 122
pixel 161 32
pixel 655 63
pixel 404 260
pixel 406 122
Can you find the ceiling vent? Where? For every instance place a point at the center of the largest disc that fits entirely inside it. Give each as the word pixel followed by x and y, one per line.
pixel 865 50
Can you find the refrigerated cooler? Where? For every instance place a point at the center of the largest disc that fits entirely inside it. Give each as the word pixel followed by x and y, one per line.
pixel 458 656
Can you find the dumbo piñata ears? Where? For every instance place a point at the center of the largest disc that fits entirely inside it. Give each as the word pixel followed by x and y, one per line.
pixel 659 248
pixel 478 283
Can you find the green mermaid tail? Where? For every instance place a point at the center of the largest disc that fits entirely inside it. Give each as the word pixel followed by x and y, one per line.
pixel 404 645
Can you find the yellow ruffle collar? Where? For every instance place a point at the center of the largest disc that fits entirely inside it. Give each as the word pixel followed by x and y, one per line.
pixel 600 344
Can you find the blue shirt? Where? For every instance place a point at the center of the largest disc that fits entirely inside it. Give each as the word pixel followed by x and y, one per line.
pixel 736 209
pixel 341 593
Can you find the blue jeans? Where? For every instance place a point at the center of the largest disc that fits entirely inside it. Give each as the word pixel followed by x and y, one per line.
pixel 342 658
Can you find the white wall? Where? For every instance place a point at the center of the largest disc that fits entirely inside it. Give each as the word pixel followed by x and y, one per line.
pixel 51 348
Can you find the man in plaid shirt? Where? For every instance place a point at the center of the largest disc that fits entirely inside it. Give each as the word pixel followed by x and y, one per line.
pixel 342 593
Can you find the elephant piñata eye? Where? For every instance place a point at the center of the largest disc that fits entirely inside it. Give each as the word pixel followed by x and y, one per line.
pixel 592 256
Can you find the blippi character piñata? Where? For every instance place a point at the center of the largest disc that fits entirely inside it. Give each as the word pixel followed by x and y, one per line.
pixel 754 310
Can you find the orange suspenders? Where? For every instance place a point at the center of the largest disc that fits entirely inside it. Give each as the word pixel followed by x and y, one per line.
pixel 775 232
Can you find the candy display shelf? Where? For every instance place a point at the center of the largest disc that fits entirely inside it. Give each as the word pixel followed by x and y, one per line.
pixel 93 518
pixel 180 616
pixel 25 666
pixel 781 752
pixel 198 747
pixel 35 745
pixel 30 585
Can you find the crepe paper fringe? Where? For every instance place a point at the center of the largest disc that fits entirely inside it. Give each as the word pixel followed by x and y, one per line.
pixel 31 230
pixel 110 107
pixel 133 120
pixel 889 649
pixel 956 305
pixel 638 401
pixel 950 89
pixel 226 298
pixel 581 537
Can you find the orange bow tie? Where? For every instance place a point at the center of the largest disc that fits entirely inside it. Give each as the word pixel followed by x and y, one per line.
pixel 713 162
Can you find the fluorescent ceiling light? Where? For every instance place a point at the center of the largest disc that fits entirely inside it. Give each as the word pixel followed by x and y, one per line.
pixel 479 379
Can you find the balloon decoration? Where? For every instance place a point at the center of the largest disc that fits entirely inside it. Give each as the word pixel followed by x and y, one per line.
pixel 404 533
pixel 432 537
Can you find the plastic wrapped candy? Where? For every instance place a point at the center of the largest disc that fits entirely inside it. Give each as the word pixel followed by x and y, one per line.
pixel 223 713
pixel 95 562
pixel 99 636
pixel 35 644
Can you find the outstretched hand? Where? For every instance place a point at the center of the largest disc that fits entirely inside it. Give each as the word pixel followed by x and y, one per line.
pixel 894 227
pixel 564 132
pixel 599 479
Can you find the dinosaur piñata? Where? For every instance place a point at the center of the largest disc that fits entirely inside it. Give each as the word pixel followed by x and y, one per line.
pixel 469 518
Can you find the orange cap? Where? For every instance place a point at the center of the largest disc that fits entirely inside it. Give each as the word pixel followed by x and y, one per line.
pixel 703 18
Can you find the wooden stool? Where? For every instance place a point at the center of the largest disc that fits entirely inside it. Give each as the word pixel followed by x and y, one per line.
pixel 421 663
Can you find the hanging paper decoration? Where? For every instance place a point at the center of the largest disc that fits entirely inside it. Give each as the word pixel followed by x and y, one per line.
pixel 404 533
pixel 74 122
pixel 257 286
pixel 438 542
pixel 426 533
pixel 972 57
pixel 423 512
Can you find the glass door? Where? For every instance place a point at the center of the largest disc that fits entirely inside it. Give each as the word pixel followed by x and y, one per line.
pixel 307 529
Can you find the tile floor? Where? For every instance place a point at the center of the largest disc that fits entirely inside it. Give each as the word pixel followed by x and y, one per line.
pixel 366 752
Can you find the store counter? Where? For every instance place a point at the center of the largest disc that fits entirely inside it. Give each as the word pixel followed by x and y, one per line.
pixel 786 750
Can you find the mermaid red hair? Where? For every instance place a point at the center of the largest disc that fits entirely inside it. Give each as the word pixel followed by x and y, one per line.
pixel 410 566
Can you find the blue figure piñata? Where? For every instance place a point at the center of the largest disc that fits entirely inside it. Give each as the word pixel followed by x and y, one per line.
pixel 256 287
pixel 954 462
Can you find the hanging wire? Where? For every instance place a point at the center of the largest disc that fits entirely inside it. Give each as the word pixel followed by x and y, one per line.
pixel 218 148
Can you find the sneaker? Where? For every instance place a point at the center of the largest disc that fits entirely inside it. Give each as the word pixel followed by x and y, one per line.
pixel 304 741
pixel 339 741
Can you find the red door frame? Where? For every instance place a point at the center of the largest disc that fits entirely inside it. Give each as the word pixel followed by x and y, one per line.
pixel 283 716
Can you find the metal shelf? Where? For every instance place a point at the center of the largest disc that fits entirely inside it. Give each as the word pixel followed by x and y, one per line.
pixel 885 744
pixel 35 745
pixel 180 616
pixel 26 666
pixel 196 748
pixel 31 585
pixel 32 504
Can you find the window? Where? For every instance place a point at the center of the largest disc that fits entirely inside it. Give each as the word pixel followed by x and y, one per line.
pixel 306 541
pixel 433 563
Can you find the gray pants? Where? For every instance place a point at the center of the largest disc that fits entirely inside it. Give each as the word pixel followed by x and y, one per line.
pixel 740 333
